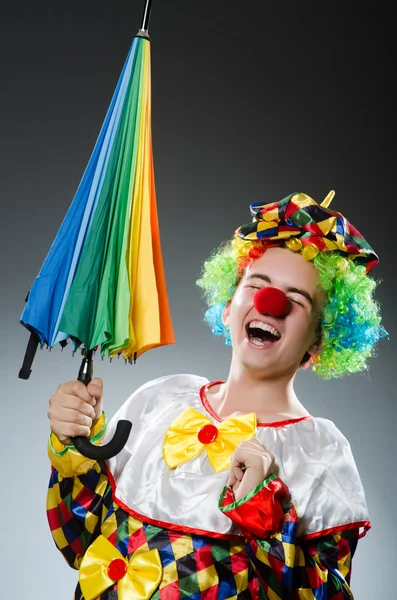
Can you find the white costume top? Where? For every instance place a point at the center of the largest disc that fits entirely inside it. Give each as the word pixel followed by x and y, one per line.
pixel 313 458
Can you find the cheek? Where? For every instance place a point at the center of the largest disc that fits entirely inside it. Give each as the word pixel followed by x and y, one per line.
pixel 310 326
pixel 245 296
pixel 242 303
pixel 239 308
pixel 301 324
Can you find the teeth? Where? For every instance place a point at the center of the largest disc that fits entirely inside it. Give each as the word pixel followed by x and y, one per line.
pixel 264 327
pixel 257 342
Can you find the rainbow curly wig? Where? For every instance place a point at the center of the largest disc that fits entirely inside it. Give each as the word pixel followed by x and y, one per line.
pixel 350 322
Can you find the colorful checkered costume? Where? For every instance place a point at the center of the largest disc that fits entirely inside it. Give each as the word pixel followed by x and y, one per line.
pixel 266 559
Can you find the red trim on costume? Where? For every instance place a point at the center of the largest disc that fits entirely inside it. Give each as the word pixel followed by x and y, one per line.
pixel 165 524
pixel 210 410
pixel 261 515
pixel 230 497
pixel 338 529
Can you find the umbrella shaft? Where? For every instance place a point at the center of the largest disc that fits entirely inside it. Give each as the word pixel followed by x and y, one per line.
pixel 146 15
pixel 86 370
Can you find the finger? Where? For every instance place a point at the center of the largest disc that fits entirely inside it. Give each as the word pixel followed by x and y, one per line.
pixel 236 474
pixel 237 471
pixel 69 430
pixel 236 487
pixel 68 415
pixel 233 482
pixel 244 451
pixel 257 444
pixel 252 459
pixel 66 441
pixel 232 479
pixel 75 388
pixel 95 388
pixel 253 444
pixel 241 456
pixel 70 402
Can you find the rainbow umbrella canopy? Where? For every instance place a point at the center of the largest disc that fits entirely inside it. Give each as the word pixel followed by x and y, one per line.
pixel 102 284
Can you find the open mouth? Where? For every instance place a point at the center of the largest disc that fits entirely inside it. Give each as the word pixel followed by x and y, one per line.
pixel 262 334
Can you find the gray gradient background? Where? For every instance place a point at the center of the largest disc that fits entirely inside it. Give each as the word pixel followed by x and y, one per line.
pixel 293 97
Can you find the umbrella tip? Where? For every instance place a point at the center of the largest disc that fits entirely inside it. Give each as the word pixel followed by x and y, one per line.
pixel 142 33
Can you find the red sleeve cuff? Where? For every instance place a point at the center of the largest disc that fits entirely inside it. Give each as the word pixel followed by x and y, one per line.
pixel 259 513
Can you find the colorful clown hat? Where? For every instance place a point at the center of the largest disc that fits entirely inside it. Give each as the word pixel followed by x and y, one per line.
pixel 302 225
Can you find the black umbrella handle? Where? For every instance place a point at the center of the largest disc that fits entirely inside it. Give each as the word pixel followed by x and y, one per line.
pixel 119 440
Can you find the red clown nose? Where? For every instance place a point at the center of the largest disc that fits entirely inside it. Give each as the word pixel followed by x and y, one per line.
pixel 271 301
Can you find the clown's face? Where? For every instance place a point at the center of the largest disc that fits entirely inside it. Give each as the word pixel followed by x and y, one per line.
pixel 271 346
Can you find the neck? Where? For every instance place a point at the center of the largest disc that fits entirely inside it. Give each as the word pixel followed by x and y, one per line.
pixel 245 391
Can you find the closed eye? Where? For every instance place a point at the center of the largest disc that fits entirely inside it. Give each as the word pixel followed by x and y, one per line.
pixel 296 302
pixel 259 287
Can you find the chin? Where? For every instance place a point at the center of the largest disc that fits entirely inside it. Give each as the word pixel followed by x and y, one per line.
pixel 267 365
pixel 260 366
pixel 270 361
pixel 270 372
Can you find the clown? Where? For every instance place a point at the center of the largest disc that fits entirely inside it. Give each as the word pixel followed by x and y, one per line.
pixel 231 489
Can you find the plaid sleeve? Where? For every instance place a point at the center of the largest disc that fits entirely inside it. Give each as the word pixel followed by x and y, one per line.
pixel 287 567
pixel 78 498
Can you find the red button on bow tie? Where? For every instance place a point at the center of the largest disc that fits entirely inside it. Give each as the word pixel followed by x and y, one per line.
pixel 117 569
pixel 207 434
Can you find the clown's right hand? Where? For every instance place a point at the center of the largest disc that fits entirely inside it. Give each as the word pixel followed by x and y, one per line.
pixel 74 409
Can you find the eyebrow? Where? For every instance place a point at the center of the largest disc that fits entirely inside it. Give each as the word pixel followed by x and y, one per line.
pixel 293 290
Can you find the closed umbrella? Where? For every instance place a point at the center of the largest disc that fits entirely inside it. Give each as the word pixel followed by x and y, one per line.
pixel 102 284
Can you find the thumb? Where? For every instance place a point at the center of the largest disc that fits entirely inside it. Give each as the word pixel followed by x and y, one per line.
pixel 95 389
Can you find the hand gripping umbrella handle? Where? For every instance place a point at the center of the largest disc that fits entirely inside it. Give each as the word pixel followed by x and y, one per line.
pixel 121 434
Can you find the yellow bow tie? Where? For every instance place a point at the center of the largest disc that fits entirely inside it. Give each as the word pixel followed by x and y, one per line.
pixel 103 566
pixel 191 432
